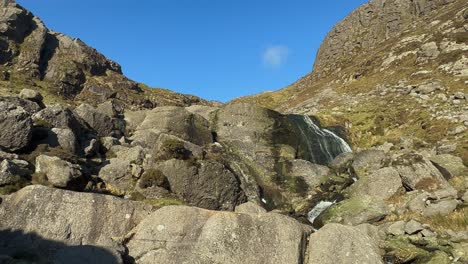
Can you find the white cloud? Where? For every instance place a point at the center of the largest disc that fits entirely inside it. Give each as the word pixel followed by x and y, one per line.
pixel 275 56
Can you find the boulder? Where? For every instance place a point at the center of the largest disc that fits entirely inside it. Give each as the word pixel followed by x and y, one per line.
pixel 368 161
pixel 311 173
pixel 180 234
pixel 341 163
pixel 412 227
pixel 9 173
pixel 67 225
pixel 63 137
pixel 206 111
pixel 207 184
pixel 178 122
pixel 450 166
pixel 335 243
pixel 16 127
pixel 31 95
pixel 418 173
pixel 444 207
pixel 117 175
pixel 58 116
pixel 27 105
pixel 101 123
pixel 134 155
pixel 380 184
pixel 355 211
pixel 397 228
pixel 250 208
pixel 59 172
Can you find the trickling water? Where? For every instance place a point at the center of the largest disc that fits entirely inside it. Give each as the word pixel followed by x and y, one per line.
pixel 322 144
pixel 318 209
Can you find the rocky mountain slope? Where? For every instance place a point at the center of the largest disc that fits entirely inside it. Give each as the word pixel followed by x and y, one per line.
pixel 87 180
pixel 64 69
pixel 391 70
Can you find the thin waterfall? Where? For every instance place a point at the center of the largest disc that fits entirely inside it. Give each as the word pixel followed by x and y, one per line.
pixel 321 144
pixel 318 209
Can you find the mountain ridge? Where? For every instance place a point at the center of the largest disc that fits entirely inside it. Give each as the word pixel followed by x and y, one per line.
pixel 66 69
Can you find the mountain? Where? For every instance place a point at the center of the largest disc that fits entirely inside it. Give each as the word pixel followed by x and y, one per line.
pixel 390 70
pixel 66 69
pixel 95 168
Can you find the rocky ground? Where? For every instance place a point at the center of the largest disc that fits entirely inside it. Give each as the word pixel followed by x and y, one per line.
pixel 143 176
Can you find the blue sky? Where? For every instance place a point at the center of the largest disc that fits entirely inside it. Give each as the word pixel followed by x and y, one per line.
pixel 216 49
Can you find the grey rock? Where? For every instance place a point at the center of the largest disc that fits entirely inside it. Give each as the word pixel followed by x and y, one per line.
pixel 134 155
pixel 57 116
pixel 341 163
pixel 206 111
pixel 429 87
pixel 101 123
pixel 178 122
pixel 367 161
pixel 118 176
pixel 311 173
pixel 82 224
pixel 109 142
pixel 16 127
pixel 380 184
pixel 179 234
pixel 413 227
pixel 59 172
pixel 250 208
pixel 450 166
pixel 63 137
pixel 31 95
pixel 110 108
pixel 417 172
pixel 208 185
pixel 397 228
pixel 355 211
pixel 91 147
pixel 8 173
pixel 440 208
pixel 335 243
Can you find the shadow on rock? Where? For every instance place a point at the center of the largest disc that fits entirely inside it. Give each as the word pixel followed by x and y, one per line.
pixel 19 247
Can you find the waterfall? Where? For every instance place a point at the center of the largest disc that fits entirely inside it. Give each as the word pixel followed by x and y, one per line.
pixel 322 144
pixel 317 210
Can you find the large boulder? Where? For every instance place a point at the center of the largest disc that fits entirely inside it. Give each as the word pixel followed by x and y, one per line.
pixel 100 122
pixel 380 184
pixel 335 243
pixel 367 161
pixel 60 173
pixel 179 122
pixel 355 211
pixel 450 166
pixel 179 234
pixel 58 116
pixel 50 223
pixel 208 184
pixel 418 173
pixel 16 126
pixel 117 175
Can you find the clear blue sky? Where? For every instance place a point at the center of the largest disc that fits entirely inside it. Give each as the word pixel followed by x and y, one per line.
pixel 216 49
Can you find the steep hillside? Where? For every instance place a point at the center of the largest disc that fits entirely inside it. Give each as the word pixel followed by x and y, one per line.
pixel 66 69
pixel 390 70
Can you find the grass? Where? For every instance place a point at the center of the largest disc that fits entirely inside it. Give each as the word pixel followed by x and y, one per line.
pixel 456 221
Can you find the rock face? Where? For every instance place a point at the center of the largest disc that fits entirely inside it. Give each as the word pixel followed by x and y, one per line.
pixel 335 243
pixel 69 67
pixel 16 126
pixel 74 219
pixel 181 234
pixel 58 172
pixel 208 185
pixel 366 27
